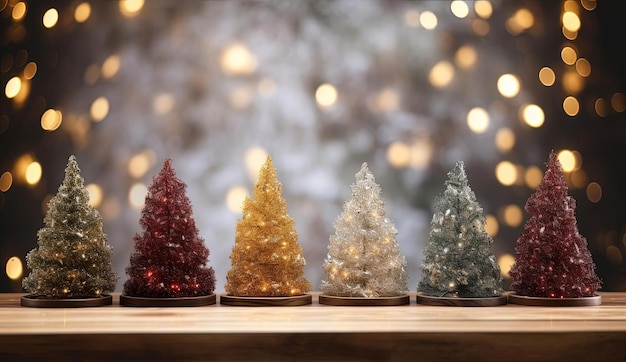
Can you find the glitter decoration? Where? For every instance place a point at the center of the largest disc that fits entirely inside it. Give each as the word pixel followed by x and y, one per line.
pixel 552 258
pixel 267 259
pixel 458 261
pixel 364 258
pixel 169 260
pixel 73 258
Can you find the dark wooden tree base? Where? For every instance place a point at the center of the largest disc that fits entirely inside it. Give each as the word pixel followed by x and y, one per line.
pixel 461 302
pixel 555 302
pixel 295 300
pixel 39 301
pixel 363 301
pixel 130 301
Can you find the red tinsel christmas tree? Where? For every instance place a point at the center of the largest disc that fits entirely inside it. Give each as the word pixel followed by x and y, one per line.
pixel 552 257
pixel 169 258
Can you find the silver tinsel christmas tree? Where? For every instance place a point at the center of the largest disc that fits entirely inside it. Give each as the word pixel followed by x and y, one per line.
pixel 458 261
pixel 364 259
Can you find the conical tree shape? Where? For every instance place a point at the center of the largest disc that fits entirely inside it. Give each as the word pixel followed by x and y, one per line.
pixel 552 259
pixel 458 261
pixel 364 258
pixel 266 260
pixel 170 257
pixel 73 258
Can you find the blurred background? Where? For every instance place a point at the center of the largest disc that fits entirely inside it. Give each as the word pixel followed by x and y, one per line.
pixel 409 87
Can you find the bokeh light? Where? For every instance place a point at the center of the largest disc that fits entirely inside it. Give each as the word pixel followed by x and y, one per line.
pixel 99 109
pixel 50 18
pixel 506 173
pixel 95 194
pixel 441 74
pixel 508 85
pixel 567 160
pixel 512 215
pixel 428 20
pixel 547 76
pixel 14 268
pixel 238 60
pixel 505 139
pixel 51 119
pixel 483 8
pixel 111 66
pixel 533 176
pixel 571 106
pixel 235 198
pixel 573 83
pixel 130 8
pixel 618 102
pixel 412 18
pixel 465 57
pixel 601 107
pixel 137 195
pixel 13 87
pixel 30 70
pixel 532 115
pixel 19 11
pixel 491 225
pixel 459 8
pixel 571 21
pixel 505 262
pixel 82 12
pixel 140 163
pixel 594 192
pixel 254 158
pixel 568 55
pixel 6 181
pixel 478 120
pixel 326 95
pixel 33 173
pixel 583 67
pixel 163 103
pixel 399 154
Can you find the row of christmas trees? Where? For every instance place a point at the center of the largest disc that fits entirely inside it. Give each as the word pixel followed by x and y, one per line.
pixel 364 266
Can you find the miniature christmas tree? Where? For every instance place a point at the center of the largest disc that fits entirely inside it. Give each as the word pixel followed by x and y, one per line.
pixel 266 260
pixel 364 259
pixel 73 258
pixel 458 261
pixel 552 257
pixel 169 260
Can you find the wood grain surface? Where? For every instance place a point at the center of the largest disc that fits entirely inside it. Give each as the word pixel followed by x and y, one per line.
pixel 293 301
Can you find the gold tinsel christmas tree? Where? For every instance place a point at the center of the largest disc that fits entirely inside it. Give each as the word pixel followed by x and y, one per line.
pixel 267 259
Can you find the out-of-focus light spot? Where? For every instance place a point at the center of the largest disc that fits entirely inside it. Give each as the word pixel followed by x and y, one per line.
pixel 14 268
pixel 583 67
pixel 137 195
pixel 532 115
pixel 505 262
pixel 579 178
pixel 95 194
pixel 533 176
pixel 266 87
pixel 505 140
pixel 569 56
pixel 399 154
pixel 546 76
pixel 82 12
pixel 30 70
pixel 459 8
pixel 387 100
pixel 50 18
pixel 478 120
pixel 613 254
pixel 569 35
pixel 618 102
pixel 13 87
pixel 240 98
pixel 19 10
pixel 92 74
pixel 571 21
pixel 465 57
pixel 573 83
pixel 594 192
pixel 412 18
pixel 428 20
pixel 236 59
pixel 110 209
pixel 235 197
pixel 6 180
pixel 491 225
pixel 421 153
pixel 130 8
pixel 522 20
pixel 254 158
pixel 506 173
pixel 601 107
pixel 99 109
pixel 33 173
pixel 326 95
pixel 140 163
pixel 163 103
pixel 480 27
pixel 441 74
pixel 111 66
pixel 567 160
pixel 588 4
pixel 20 166
pixel 508 85
pixel 483 8
pixel 571 106
pixel 51 119
pixel 6 63
pixel 512 215
pixel 571 5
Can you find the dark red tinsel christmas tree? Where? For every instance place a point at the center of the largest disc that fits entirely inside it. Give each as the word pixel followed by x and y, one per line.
pixel 170 258
pixel 552 259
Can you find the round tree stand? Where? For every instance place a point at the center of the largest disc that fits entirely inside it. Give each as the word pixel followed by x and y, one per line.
pixel 461 302
pixel 555 302
pixel 198 301
pixel 39 301
pixel 364 301
pixel 295 300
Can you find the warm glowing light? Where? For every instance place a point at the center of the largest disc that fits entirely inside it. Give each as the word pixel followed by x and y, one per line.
pixel 130 8
pixel 163 103
pixel 567 160
pixel 465 57
pixel 505 261
pixel 533 176
pixel 601 107
pixel 480 27
pixel 583 67
pixel 30 70
pixel 505 140
pixel 137 195
pixel 546 76
pixel 428 20
pixel 506 173
pixel 235 197
pixel 399 154
pixel 99 109
pixel 588 4
pixel 111 66
pixel 571 106
pixel 255 157
pixel 140 163
pixel 50 18
pixel 412 18
pixel 14 268
pixel 459 8
pixel 618 102
pixel 33 173
pixel 6 180
pixel 387 100
pixel 594 192
pixel 19 10
pixel 82 12
pixel 571 21
pixel 483 8
pixel 573 83
pixel 240 98
pixel 51 119
pixel 522 20
pixel 95 194
pixel 569 56
pixel 579 178
pixel 532 115
pixel 491 225
pixel 92 74
pixel 236 59
pixel 13 87
pixel 326 95
pixel 478 120
pixel 441 74
pixel 508 85
pixel 512 215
